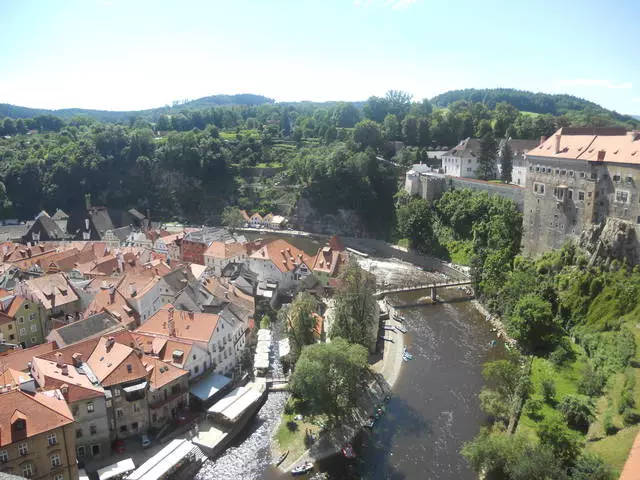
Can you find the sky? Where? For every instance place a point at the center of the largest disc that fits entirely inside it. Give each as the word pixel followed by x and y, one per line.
pixel 136 54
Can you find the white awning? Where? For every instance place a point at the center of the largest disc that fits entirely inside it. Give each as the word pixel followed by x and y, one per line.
pixel 261 361
pixel 284 347
pixel 123 466
pixel 136 387
pixel 163 461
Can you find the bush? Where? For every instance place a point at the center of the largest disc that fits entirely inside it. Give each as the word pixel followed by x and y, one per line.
pixel 626 401
pixel 560 355
pixel 548 387
pixel 591 383
pixel 577 410
pixel 608 425
pixel 630 417
pixel 533 408
pixel 265 322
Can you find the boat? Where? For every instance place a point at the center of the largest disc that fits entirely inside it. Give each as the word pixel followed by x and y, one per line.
pixel 281 458
pixel 401 328
pixel 348 451
pixel 406 356
pixel 302 469
pixel 399 318
pixel 370 422
pixel 378 412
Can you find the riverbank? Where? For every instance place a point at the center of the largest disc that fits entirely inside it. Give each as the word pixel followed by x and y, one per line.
pixel 496 323
pixel 384 371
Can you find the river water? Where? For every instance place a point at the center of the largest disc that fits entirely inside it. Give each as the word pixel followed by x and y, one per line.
pixel 433 411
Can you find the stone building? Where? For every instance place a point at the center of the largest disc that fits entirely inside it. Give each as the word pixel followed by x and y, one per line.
pixel 577 178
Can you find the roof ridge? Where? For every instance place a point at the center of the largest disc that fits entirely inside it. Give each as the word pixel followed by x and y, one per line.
pixel 584 150
pixel 47 406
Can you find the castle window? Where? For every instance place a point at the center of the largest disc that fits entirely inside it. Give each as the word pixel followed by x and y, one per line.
pixel 616 178
pixel 581 174
pixel 538 188
pixel 558 193
pixel 557 171
pixel 570 193
pixel 580 195
pixel 622 196
pixel 571 173
pixel 537 169
pixel 563 172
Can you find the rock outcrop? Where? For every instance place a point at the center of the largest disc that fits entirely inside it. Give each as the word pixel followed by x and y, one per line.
pixel 343 222
pixel 614 240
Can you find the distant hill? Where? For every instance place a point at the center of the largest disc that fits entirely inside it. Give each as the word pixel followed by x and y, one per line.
pixel 14 111
pixel 637 117
pixel 527 101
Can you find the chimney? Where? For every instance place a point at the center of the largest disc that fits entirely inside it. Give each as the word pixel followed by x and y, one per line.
pixel 132 289
pixel 112 294
pixel 64 389
pixel 557 149
pixel 77 359
pixel 191 315
pixel 64 370
pixel 542 139
pixel 59 360
pixel 109 344
pixel 171 326
pixel 86 224
pixel 87 201
pixel 601 155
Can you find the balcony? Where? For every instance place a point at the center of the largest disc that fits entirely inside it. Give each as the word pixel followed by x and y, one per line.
pixel 163 401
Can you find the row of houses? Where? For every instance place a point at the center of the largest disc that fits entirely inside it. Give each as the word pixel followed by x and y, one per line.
pixel 255 220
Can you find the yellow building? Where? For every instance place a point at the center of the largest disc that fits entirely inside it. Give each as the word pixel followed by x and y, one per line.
pixel 20 320
pixel 37 436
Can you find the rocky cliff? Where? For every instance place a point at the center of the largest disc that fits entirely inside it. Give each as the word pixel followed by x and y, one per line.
pixel 343 222
pixel 614 240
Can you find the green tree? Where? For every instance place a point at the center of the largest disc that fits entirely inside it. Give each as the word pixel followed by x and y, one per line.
pixel 392 127
pixel 329 377
pixel 355 306
pixel 410 130
pixel 376 109
pixel 415 222
pixel 232 217
pixel 367 134
pixel 564 443
pixel 487 159
pixel 346 115
pixel 505 116
pixel 506 162
pixel 265 322
pixel 399 102
pixel 590 467
pixel 9 127
pixel 577 411
pixel 299 323
pixel 423 128
pixel 285 123
pixel 509 386
pixel 533 324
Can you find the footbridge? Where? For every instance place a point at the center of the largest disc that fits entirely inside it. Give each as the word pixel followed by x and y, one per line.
pixel 277 384
pixel 433 286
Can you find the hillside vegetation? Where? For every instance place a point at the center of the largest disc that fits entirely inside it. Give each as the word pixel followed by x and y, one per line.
pixel 545 103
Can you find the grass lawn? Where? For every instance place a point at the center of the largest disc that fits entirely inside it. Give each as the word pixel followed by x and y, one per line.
pixel 291 434
pixel 615 448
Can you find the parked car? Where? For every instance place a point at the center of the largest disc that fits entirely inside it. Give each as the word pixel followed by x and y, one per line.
pixel 145 441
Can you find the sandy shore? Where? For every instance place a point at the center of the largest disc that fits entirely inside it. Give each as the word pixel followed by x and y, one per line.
pixel 385 374
pixel 495 322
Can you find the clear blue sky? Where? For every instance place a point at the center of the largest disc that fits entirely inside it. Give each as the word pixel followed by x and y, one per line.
pixel 132 54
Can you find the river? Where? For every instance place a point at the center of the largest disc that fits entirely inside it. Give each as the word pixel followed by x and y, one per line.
pixel 433 411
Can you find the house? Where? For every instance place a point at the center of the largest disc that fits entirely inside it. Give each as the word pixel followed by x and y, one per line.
pixel 38 438
pixel 21 320
pixel 21 358
pixel 56 297
pixel 328 261
pixel 245 217
pixel 462 160
pixel 61 219
pixel 255 220
pixel 280 262
pixel 195 244
pixel 11 379
pixel 519 149
pixel 173 283
pixel 168 390
pixel 44 229
pixel 577 178
pixel 277 222
pixel 211 332
pixel 142 293
pixel 109 299
pixel 86 399
pixel 220 254
pixel 92 223
pixel 169 244
pixel 96 325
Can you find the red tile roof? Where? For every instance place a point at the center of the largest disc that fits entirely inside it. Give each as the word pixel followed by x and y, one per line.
pixel 161 373
pixel 50 377
pixel 52 287
pixel 195 326
pixel 18 359
pixel 115 364
pixel 285 256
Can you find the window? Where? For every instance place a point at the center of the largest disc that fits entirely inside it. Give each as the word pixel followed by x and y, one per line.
pixel 4 456
pixel 124 429
pixel 580 195
pixel 581 174
pixel 80 452
pixel 196 369
pixel 34 328
pixel 23 449
pixel 23 332
pixel 571 173
pixel 51 439
pixel 78 433
pixel 32 317
pixel 570 194
pixel 55 460
pixel 616 178
pixel 116 392
pixel 95 450
pixel 20 319
pixel 538 188
pixel 90 407
pixel 58 476
pixel 93 429
pixel 629 179
pixel 537 169
pixel 136 407
pixel 119 413
pixel 563 172
pixel 622 196
pixel 134 426
pixel 10 327
pixel 557 172
pixel 34 339
pixel 27 470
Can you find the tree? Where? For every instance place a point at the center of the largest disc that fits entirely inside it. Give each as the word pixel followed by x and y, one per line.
pixel 505 116
pixel 285 123
pixel 391 127
pixel 423 132
pixel 376 109
pixel 506 162
pixel 9 127
pixel 487 159
pixel 415 222
pixel 367 134
pixel 300 323
pixel 346 115
pixel 355 306
pixel 329 377
pixel 410 130
pixel 590 467
pixel 577 411
pixel 533 325
pixel 509 386
pixel 232 217
pixel 399 102
pixel 564 443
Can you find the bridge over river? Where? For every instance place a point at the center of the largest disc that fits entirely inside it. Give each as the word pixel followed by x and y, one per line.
pixel 433 286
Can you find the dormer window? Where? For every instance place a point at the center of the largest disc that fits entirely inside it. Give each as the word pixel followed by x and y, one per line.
pixel 20 424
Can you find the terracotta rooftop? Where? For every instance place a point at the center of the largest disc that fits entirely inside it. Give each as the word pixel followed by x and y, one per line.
pixel 285 256
pixel 49 376
pixel 225 250
pixel 161 373
pixel 52 290
pixel 328 260
pixel 18 359
pixel 115 364
pixel 115 304
pixel 194 326
pixel 11 378
pixel 608 145
pixel 42 412
pixel 163 348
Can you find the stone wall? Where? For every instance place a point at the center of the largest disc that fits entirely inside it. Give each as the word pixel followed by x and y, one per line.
pixel 511 192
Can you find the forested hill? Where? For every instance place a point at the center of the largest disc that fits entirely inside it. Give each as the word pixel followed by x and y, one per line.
pixel 14 111
pixel 525 101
